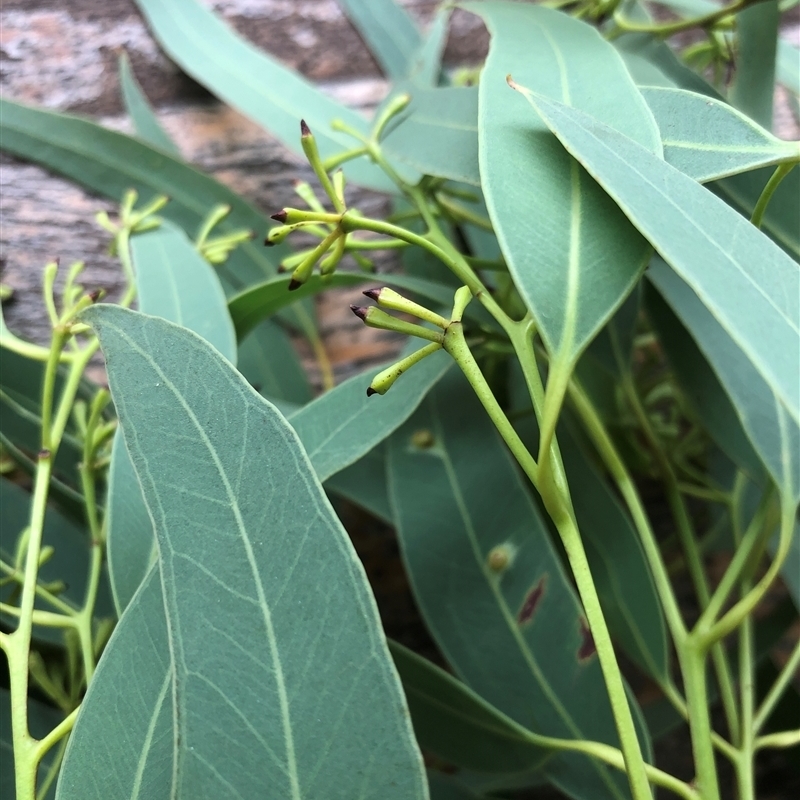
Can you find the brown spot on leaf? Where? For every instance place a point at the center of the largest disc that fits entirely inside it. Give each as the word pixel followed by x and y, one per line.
pixel 587 648
pixel 531 601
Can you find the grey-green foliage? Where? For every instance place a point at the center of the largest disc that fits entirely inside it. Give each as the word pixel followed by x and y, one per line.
pixel 252 517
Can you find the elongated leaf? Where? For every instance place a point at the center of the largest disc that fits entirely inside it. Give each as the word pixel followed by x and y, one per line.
pixel 342 425
pixel 272 95
pixel 765 418
pixel 708 139
pixel 448 787
pixel 389 32
pixel 141 113
pixel 573 255
pixel 457 725
pixel 736 271
pixel 261 301
pixel 247 539
pixel 123 743
pixel 176 283
pixel 699 382
pixel 618 565
pixel 514 635
pixel 426 65
pixel 69 562
pixel 364 483
pixel 753 87
pixel 438 134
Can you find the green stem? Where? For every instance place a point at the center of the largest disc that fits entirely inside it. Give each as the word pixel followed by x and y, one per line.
pixel 783 680
pixel 670 28
pixel 691 551
pixel 744 766
pixel 781 739
pixel 559 509
pixel 693 668
pixel 766 195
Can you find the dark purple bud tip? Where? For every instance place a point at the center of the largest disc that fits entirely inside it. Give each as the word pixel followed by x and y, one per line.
pixel 304 129
pixel 267 242
pixel 373 294
pixel 359 311
pixel 281 269
pixel 371 391
pixel 95 295
pixel 280 216
pixel 294 284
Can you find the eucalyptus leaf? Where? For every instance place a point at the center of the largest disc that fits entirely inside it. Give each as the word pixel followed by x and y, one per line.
pixel 364 483
pixel 426 66
pixel 572 254
pixel 271 94
pixel 388 30
pixel 247 550
pixel 438 134
pixel 448 787
pixel 176 283
pixel 261 301
pixel 708 139
pixel 342 425
pixel 147 126
pixel 764 416
pixel 513 634
pixel 753 89
pixel 737 273
pixel 701 386
pixel 457 725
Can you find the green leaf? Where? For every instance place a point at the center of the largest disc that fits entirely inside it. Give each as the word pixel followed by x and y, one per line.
pixel 707 139
pixel 780 221
pixel 272 95
pixel 448 787
pixel 573 256
pixel 253 563
pixel 41 719
pixel 438 134
pixel 753 87
pixel 176 283
pixel 765 418
pixel 364 483
pixel 140 111
pixel 618 564
pixel 344 424
pixel 388 30
pixel 268 361
pixel 701 386
pixel 69 561
pixel 740 276
pixel 514 636
pixel 123 743
pixel 264 299
pixel 457 725
pixel 426 67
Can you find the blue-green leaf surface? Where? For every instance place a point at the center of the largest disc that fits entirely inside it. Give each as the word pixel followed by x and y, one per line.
pixel 141 113
pixel 514 636
pixel 705 394
pixel 572 254
pixel 342 425
pixel 438 134
pixel 764 416
pixel 457 725
pixel 364 483
pixel 389 32
pixel 738 274
pixel 260 582
pixel 426 66
pixel 176 283
pixel 707 139
pixel 260 87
